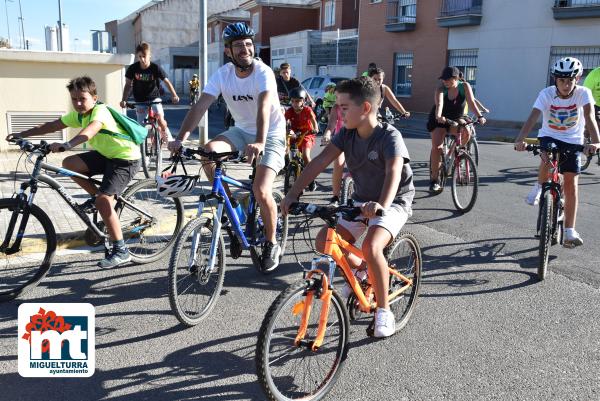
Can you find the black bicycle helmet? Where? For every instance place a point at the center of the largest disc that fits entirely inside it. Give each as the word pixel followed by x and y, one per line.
pixel 298 93
pixel 235 31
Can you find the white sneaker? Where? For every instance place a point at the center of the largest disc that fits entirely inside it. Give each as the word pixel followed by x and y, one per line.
pixel 533 197
pixel 385 323
pixel 572 239
pixel 270 256
pixel 346 290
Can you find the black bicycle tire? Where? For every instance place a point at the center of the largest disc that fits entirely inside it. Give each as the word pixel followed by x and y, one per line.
pixel 150 183
pixel 473 149
pixel 176 307
pixel 290 177
pixel 402 320
pixel 50 235
pixel 546 208
pixel 144 157
pixel 264 339
pixel 347 189
pixel 278 197
pixel 471 203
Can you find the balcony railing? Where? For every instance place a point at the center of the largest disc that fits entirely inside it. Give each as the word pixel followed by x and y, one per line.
pixel 326 48
pixel 568 9
pixel 460 13
pixel 401 15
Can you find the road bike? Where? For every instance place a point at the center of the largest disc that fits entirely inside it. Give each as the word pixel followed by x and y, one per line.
pixel 149 223
pixel 197 266
pixel 550 221
pixel 303 339
pixel 151 149
pixel 458 164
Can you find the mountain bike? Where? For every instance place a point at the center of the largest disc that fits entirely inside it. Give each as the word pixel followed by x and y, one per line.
pixel 197 266
pixel 303 339
pixel 458 164
pixel 151 149
pixel 589 158
pixel 550 221
pixel 149 223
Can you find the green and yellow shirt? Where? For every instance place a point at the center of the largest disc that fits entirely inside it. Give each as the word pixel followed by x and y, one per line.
pixel 112 140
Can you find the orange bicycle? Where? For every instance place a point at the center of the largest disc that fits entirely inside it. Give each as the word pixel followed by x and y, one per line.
pixel 303 339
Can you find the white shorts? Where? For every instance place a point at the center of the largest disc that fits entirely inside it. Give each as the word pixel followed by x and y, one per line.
pixel 274 154
pixel 393 220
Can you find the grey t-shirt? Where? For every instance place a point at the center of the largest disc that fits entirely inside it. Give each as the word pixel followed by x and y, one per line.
pixel 366 159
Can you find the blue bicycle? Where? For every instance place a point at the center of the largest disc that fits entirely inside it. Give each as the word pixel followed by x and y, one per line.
pixel 197 266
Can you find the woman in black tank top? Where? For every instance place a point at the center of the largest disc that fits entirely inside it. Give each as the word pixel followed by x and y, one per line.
pixel 386 93
pixel 450 101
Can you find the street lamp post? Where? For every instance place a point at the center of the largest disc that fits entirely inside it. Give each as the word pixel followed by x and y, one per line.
pixel 7 24
pixel 22 26
pixel 203 61
pixel 60 31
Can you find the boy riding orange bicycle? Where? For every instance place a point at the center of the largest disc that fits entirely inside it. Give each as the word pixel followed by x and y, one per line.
pixel 378 160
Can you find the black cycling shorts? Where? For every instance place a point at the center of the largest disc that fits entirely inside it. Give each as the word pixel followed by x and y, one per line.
pixel 569 162
pixel 117 173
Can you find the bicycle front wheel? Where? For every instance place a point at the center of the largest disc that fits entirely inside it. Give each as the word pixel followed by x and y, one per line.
pixel 465 183
pixel 151 153
pixel 23 268
pixel 404 256
pixel 473 149
pixel 193 288
pixel 152 231
pixel 287 371
pixel 347 190
pixel 546 208
pixel 290 177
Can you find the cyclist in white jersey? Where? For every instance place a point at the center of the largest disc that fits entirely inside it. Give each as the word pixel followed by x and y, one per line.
pixel 249 89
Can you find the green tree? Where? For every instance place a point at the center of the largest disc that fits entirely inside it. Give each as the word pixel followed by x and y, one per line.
pixel 4 44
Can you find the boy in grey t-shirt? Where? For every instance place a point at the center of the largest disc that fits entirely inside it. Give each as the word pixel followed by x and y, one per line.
pixel 378 161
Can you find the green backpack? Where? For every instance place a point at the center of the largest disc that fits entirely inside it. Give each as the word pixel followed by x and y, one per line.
pixel 135 132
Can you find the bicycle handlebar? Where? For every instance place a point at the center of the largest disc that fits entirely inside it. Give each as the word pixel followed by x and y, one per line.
pixel 132 105
pixel 212 156
pixel 462 122
pixel 552 147
pixel 27 146
pixel 327 212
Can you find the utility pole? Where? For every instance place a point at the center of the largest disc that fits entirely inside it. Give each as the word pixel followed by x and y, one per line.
pixel 60 31
pixel 202 64
pixel 7 24
pixel 22 26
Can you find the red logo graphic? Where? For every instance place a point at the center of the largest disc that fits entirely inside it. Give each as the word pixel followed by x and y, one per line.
pixel 44 321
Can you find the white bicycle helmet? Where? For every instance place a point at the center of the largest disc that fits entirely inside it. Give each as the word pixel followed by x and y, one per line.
pixel 567 67
pixel 177 185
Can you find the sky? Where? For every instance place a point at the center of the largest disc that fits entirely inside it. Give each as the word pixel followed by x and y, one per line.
pixel 80 15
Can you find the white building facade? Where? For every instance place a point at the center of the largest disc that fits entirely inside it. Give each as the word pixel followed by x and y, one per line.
pixel 509 53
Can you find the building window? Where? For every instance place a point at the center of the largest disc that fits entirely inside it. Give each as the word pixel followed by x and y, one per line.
pixel 576 3
pixel 466 61
pixel 374 1
pixel 402 11
pixel 403 63
pixel 329 13
pixel 255 17
pixel 589 57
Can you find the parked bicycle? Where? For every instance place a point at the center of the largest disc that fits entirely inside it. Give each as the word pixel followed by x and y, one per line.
pixel 197 266
pixel 149 223
pixel 550 221
pixel 151 149
pixel 303 339
pixel 458 164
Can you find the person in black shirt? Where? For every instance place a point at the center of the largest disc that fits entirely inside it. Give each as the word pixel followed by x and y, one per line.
pixel 144 78
pixel 285 83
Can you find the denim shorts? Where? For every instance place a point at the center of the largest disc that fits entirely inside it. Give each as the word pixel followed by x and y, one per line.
pixel 274 154
pixel 568 162
pixel 141 112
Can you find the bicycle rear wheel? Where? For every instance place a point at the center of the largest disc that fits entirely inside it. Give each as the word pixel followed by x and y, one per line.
pixel 193 290
pixel 288 372
pixel 149 237
pixel 22 269
pixel 404 256
pixel 546 209
pixel 259 230
pixel 347 190
pixel 465 183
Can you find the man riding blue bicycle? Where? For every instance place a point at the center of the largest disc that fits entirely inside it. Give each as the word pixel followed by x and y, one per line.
pixel 250 92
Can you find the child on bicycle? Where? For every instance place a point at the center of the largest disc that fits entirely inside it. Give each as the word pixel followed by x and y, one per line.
pixel 379 163
pixel 566 109
pixel 329 97
pixel 302 121
pixel 117 158
pixel 194 85
pixel 144 77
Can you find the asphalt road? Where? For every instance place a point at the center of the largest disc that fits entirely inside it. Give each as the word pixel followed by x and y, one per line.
pixel 484 327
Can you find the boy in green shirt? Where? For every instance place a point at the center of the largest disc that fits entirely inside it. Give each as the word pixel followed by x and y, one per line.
pixel 115 156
